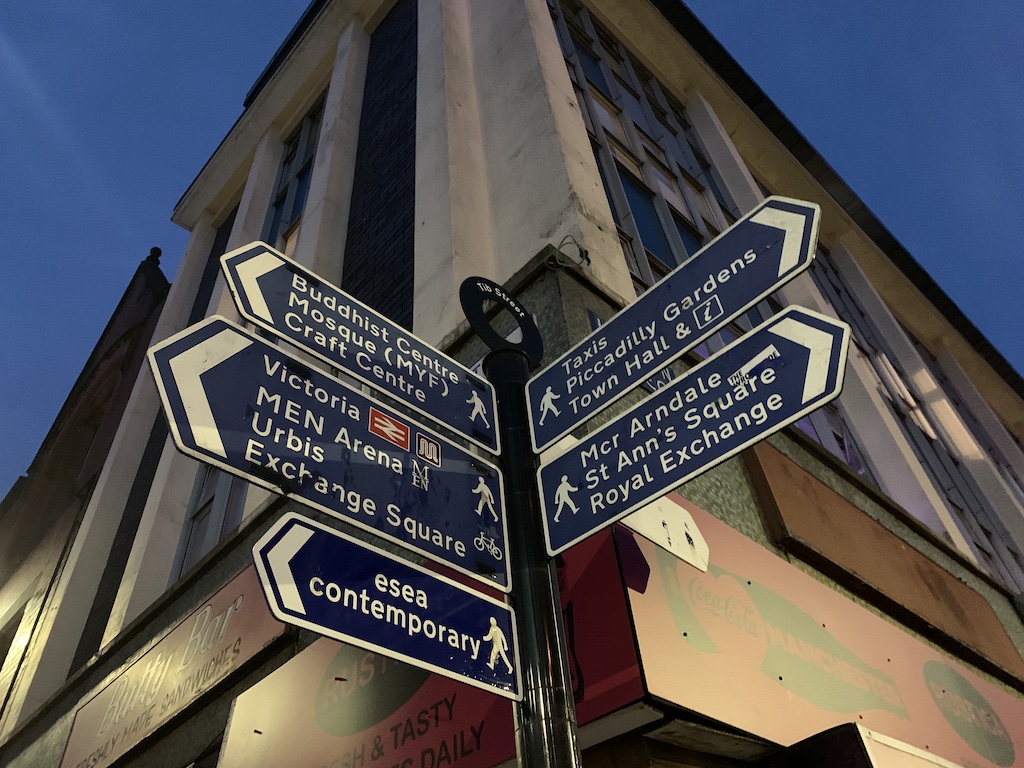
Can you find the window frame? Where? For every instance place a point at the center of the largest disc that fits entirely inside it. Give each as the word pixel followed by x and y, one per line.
pixel 651 142
pixel 218 498
pixel 294 173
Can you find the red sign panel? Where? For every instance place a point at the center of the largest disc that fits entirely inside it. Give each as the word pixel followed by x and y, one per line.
pixel 336 704
pixel 428 449
pixel 390 429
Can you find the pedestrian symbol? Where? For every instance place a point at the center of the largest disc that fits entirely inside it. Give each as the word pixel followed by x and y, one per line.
pixel 547 405
pixel 563 499
pixel 499 645
pixel 486 499
pixel 478 409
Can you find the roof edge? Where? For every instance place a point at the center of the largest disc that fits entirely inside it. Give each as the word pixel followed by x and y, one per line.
pixel 750 93
pixel 305 22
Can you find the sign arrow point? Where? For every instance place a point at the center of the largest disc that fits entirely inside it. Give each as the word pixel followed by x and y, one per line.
pixel 279 559
pixel 187 368
pixel 819 343
pixel 793 225
pixel 249 272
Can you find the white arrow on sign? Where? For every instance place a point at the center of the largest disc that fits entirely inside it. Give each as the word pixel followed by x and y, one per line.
pixel 187 369
pixel 818 343
pixel 793 225
pixel 279 557
pixel 249 273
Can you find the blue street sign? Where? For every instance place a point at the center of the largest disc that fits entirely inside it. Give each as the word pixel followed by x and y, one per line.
pixel 769 378
pixel 762 251
pixel 242 404
pixel 291 302
pixel 661 379
pixel 320 579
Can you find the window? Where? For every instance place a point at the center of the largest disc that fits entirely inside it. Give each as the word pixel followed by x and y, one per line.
pixel 688 234
pixel 828 428
pixel 293 179
pixel 589 62
pixel 701 204
pixel 667 199
pixel 962 497
pixel 710 175
pixel 645 216
pixel 662 190
pixel 9 642
pixel 215 509
pixel 977 431
pixel 608 116
pixel 211 271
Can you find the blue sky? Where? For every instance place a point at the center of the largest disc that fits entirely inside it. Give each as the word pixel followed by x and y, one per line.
pixel 920 109
pixel 108 115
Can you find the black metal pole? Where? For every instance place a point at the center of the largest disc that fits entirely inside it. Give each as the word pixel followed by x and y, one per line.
pixel 546 717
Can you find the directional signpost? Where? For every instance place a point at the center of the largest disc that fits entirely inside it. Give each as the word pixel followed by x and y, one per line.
pixel 244 405
pixel 760 252
pixel 291 302
pixel 320 579
pixel 769 378
pixel 239 403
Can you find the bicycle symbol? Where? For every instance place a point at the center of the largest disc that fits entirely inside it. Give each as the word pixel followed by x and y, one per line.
pixel 483 542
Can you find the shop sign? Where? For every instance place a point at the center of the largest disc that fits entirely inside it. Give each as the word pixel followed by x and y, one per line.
pixel 762 646
pixel 339 705
pixel 191 659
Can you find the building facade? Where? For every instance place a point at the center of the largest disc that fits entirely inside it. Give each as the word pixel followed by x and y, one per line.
pixel 862 595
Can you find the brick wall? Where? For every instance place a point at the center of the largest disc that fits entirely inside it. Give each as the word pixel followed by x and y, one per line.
pixel 378 264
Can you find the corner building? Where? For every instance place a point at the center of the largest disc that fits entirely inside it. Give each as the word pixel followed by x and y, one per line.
pixel 861 601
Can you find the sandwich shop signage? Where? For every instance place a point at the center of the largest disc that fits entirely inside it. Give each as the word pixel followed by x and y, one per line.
pixel 189 660
pixel 757 643
pixel 342 706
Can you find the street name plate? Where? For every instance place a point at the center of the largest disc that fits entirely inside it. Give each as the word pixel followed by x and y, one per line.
pixel 771 377
pixel 762 251
pixel 285 298
pixel 237 402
